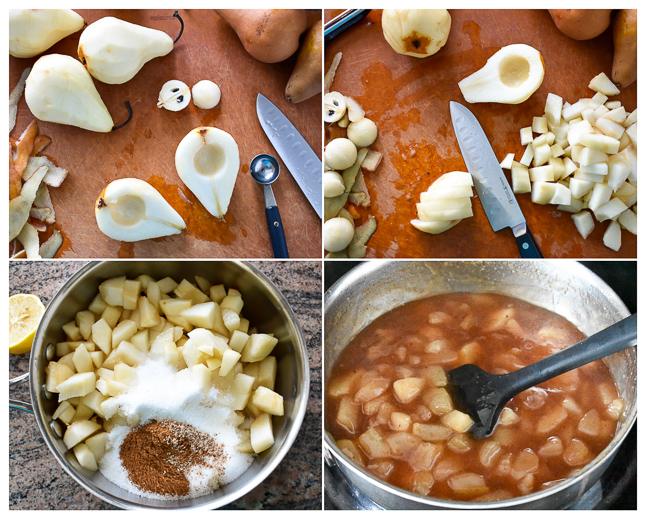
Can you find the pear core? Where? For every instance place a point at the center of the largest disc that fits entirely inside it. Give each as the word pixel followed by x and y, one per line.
pixel 514 71
pixel 127 210
pixel 209 159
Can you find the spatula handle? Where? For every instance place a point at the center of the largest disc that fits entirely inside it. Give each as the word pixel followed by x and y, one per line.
pixel 614 338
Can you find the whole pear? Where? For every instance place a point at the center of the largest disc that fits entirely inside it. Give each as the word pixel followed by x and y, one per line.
pixel 625 57
pixel 114 51
pixel 32 31
pixel 60 90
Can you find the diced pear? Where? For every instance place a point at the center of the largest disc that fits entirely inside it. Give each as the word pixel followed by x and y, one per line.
pixel 79 384
pixel 192 355
pixel 542 192
pixel 111 315
pixel 124 373
pixel 629 221
pixel 268 401
pixel 78 431
pixel 407 389
pixel 97 444
pixel 174 306
pixel 64 412
pixel 242 387
pixel 201 336
pixel 583 222
pixel 85 457
pixel 601 83
pixel 217 293
pixel 167 285
pixel 170 353
pixel 553 108
pixel 600 195
pixel 520 178
pixel 149 315
pixel 201 315
pixel 611 210
pixel 507 161
pixel 229 359
pixel 186 290
pixel 213 363
pixel 542 174
pixel 72 331
pixel 612 237
pixel 258 347
pixel 84 321
pixel 232 302
pixel 238 340
pixel 123 331
pixel 231 319
pixel 600 142
pixel 112 291
pixel 457 421
pixel 115 388
pixel 82 360
pixel 267 373
pixel 262 433
pixel 93 401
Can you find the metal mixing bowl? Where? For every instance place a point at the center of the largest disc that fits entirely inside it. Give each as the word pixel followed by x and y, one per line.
pixel 564 287
pixel 264 306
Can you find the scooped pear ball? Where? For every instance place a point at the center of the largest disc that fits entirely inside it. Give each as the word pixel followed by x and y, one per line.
pixel 362 133
pixel 207 161
pixel 206 94
pixel 334 106
pixel 130 209
pixel 340 153
pixel 338 233
pixel 333 184
pixel 174 95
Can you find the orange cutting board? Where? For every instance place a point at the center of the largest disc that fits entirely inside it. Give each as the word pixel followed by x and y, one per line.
pixel 408 98
pixel 145 148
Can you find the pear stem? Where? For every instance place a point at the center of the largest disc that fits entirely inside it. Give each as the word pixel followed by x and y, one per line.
pixel 176 15
pixel 127 105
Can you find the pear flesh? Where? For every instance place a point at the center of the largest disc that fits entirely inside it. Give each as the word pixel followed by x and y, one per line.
pixel 510 76
pixel 60 90
pixel 114 51
pixel 130 210
pixel 207 161
pixel 32 31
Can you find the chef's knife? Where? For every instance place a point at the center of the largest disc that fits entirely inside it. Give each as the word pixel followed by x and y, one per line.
pixel 491 185
pixel 343 21
pixel 301 161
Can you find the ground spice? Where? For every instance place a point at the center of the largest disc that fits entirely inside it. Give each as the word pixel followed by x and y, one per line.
pixel 159 455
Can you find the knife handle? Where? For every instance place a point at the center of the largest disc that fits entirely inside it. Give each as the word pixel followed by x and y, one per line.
pixel 528 246
pixel 276 232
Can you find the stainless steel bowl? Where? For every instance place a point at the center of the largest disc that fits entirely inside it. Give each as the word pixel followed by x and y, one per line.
pixel 564 287
pixel 264 306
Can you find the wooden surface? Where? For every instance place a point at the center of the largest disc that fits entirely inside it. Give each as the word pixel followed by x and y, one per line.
pixel 145 148
pixel 408 98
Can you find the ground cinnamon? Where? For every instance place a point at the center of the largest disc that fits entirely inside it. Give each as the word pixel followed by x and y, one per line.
pixel 159 455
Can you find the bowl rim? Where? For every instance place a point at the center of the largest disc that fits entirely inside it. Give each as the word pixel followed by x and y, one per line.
pixel 297 419
pixel 334 455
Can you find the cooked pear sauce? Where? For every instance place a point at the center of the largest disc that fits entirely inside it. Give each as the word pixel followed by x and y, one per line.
pixel 388 410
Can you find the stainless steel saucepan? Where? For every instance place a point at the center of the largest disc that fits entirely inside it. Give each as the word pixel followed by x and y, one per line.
pixel 264 306
pixel 564 287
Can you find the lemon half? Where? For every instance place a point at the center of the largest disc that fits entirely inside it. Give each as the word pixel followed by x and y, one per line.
pixel 25 312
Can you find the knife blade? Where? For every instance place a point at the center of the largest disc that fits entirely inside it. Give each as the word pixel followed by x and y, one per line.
pixel 301 161
pixel 494 192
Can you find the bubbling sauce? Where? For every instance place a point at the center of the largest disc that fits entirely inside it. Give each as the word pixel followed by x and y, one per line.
pixel 387 408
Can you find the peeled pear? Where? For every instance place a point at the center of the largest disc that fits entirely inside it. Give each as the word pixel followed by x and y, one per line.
pixel 32 31
pixel 114 50
pixel 416 32
pixel 60 90
pixel 207 161
pixel 130 209
pixel 510 76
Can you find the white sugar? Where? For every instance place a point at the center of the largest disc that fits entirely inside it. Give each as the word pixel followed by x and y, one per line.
pixel 160 392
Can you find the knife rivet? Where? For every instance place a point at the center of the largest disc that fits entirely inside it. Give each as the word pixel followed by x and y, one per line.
pixel 276 224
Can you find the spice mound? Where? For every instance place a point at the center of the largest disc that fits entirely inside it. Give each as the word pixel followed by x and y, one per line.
pixel 159 457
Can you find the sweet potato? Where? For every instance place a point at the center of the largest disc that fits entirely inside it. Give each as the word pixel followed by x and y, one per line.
pixel 306 78
pixel 581 24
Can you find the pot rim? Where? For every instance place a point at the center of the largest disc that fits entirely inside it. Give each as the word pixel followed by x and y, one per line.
pixel 334 455
pixel 297 419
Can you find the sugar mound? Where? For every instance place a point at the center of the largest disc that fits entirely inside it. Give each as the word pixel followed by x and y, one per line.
pixel 160 392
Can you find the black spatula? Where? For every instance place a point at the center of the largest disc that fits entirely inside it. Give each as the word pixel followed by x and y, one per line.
pixel 482 395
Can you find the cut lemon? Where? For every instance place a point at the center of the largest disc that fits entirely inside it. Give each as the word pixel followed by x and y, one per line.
pixel 25 312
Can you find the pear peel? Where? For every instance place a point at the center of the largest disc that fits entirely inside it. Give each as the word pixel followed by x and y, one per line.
pixel 207 161
pixel 510 76
pixel 130 210
pixel 32 31
pixel 60 90
pixel 114 50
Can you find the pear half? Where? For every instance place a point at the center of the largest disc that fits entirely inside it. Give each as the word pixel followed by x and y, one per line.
pixel 114 50
pixel 32 31
pixel 510 76
pixel 130 209
pixel 60 90
pixel 207 161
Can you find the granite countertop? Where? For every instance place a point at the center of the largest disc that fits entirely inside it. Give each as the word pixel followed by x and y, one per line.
pixel 38 482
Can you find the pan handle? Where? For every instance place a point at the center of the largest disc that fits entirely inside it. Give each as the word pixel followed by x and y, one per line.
pixel 18 404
